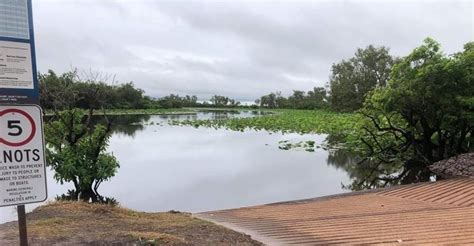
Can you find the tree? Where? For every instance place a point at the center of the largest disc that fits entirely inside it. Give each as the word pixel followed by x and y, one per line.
pixel 219 101
pixel 94 95
pixel 223 101
pixel 269 101
pixel 176 101
pixel 129 96
pixel 424 115
pixel 317 98
pixel 77 153
pixel 76 147
pixel 297 100
pixel 58 92
pixel 171 101
pixel 351 80
pixel 281 101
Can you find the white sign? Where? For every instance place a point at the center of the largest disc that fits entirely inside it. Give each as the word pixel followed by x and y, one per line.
pixel 22 159
pixel 15 65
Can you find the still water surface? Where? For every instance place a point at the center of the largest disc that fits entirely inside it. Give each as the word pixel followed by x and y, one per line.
pixel 191 169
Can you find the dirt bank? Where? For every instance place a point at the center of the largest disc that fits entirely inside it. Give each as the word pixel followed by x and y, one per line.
pixel 66 223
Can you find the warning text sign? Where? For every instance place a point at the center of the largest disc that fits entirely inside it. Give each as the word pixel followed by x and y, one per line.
pixel 16 66
pixel 22 160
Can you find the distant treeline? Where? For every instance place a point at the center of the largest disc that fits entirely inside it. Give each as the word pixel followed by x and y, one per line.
pixel 315 99
pixel 70 91
pixel 176 101
pixel 349 83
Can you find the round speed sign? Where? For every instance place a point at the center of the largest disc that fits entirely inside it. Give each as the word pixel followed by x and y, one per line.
pixel 20 127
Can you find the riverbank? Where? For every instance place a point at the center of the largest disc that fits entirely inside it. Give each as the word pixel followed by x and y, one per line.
pixel 82 223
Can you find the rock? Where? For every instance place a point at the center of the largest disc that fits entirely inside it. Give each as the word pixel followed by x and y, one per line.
pixel 457 166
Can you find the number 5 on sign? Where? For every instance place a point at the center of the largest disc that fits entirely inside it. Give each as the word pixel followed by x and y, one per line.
pixel 22 160
pixel 21 127
pixel 15 124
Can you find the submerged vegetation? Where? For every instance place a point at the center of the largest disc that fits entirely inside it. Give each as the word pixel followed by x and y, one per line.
pixel 286 121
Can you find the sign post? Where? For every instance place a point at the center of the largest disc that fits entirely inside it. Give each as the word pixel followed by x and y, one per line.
pixel 22 159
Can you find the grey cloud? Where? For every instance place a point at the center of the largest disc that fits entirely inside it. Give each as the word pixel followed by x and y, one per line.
pixel 241 49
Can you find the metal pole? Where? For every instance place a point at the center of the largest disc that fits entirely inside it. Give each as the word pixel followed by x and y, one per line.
pixel 22 225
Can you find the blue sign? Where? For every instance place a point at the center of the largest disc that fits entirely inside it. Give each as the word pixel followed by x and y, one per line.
pixel 18 75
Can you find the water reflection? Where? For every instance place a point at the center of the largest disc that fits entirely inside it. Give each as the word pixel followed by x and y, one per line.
pixel 185 168
pixel 362 175
pixel 191 169
pixel 367 174
pixel 343 159
pixel 128 125
pixel 353 165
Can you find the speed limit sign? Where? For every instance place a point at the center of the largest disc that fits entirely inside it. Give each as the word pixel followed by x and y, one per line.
pixel 22 159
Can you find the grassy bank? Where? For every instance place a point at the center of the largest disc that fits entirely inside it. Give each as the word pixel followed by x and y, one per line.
pixel 81 223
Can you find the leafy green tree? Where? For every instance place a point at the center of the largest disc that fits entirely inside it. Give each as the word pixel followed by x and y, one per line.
pixel 77 152
pixel 317 98
pixel 77 147
pixel 352 79
pixel 424 115
pixel 58 92
pixel 281 101
pixel 171 101
pixel 93 95
pixel 270 100
pixel 219 101
pixel 129 96
pixel 297 100
pixel 223 101
pixel 190 101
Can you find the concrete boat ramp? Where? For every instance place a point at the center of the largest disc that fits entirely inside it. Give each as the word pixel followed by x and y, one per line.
pixel 427 213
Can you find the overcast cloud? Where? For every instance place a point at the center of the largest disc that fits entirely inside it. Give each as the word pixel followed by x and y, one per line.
pixel 239 49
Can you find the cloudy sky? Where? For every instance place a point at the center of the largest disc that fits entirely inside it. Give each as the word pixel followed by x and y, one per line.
pixel 241 49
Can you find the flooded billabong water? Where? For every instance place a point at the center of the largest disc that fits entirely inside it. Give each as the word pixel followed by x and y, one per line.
pixel 191 169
